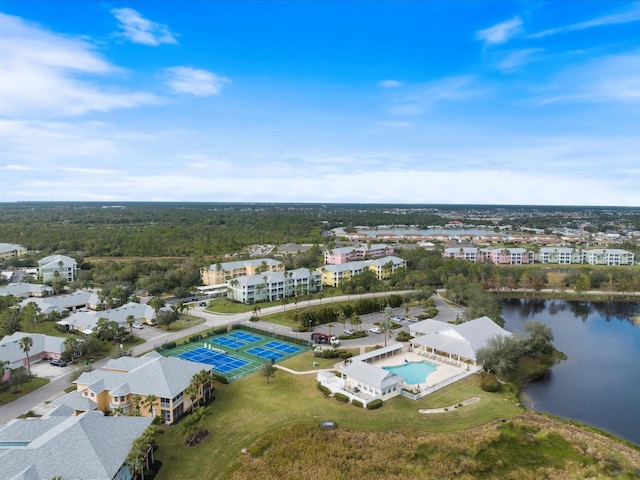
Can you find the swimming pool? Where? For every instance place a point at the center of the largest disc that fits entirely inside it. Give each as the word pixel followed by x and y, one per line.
pixel 413 372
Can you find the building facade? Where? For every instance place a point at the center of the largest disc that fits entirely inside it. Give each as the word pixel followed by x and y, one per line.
pixel 57 267
pixel 220 273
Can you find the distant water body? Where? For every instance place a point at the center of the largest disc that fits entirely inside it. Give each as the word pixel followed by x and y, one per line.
pixel 431 231
pixel 599 384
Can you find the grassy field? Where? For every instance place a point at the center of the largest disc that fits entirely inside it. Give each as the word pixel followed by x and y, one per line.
pixel 185 321
pixel 33 384
pixel 248 409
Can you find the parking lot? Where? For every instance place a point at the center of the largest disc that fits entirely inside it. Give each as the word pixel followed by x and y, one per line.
pixel 42 369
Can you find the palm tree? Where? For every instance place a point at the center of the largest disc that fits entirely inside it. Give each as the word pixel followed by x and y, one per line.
pixel 150 402
pixel 136 401
pixel 25 344
pixel 130 319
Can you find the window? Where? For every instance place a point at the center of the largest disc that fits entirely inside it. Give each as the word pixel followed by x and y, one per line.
pixel 165 402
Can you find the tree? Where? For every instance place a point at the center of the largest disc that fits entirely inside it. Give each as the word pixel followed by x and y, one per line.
pixel 18 377
pixel 71 346
pixel 501 354
pixel 130 320
pixel 540 338
pixel 25 344
pixel 136 401
pixel 268 370
pixel 150 401
pixel 156 303
pixel 355 320
pixel 385 324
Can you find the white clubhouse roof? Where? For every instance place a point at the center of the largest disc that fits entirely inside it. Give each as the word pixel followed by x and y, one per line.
pixel 463 340
pixel 371 375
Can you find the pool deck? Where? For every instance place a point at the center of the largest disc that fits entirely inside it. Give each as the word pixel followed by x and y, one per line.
pixel 442 373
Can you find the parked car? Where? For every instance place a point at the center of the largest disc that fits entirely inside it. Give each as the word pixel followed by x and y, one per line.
pixel 348 332
pixel 57 362
pixel 375 330
pixel 137 325
pixel 397 319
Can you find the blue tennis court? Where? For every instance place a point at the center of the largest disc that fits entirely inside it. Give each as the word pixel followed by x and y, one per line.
pixel 266 353
pixel 228 342
pixel 221 362
pixel 282 347
pixel 245 337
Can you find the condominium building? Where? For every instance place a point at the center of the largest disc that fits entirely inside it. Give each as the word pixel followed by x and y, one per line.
pixel 383 268
pixel 272 286
pixel 219 273
pixel 340 255
pixel 57 267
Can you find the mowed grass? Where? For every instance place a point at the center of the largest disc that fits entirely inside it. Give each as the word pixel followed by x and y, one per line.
pixel 248 409
pixel 28 387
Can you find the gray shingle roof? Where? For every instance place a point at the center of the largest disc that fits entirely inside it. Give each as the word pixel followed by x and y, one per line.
pixel 99 446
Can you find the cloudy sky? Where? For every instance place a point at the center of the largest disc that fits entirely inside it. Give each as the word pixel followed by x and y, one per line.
pixel 501 102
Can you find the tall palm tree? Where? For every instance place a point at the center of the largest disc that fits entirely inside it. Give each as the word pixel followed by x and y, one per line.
pixel 130 319
pixel 150 402
pixel 136 401
pixel 25 344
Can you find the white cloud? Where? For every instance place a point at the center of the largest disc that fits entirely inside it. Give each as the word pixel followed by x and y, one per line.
pixel 44 73
pixel 513 61
pixel 631 15
pixel 194 81
pixel 615 78
pixel 416 99
pixel 395 124
pixel 390 84
pixel 500 33
pixel 138 29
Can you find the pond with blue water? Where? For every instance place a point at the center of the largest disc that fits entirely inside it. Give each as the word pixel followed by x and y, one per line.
pixel 599 382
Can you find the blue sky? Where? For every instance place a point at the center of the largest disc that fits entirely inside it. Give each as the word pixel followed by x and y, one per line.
pixel 500 102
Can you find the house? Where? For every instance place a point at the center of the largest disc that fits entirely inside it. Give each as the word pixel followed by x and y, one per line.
pixel 8 250
pixel 454 342
pixel 44 347
pixel 271 286
pixel 59 445
pixel 71 301
pixel 219 273
pixel 25 290
pixel 125 381
pixel 57 267
pixel 354 254
pixel 85 321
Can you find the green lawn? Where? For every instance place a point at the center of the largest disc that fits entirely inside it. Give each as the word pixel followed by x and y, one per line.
pixel 247 409
pixel 185 321
pixel 33 384
pixel 304 362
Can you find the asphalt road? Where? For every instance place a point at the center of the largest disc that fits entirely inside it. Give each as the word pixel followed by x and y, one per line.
pixel 156 337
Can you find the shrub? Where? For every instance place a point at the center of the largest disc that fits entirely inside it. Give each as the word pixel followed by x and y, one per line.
pixel 356 403
pixel 345 355
pixel 169 345
pixel 195 338
pixel 403 336
pixel 324 389
pixel 375 404
pixel 220 378
pixel 342 398
pixel 489 383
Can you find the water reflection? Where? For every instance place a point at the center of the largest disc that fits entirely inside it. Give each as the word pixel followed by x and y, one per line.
pixel 597 383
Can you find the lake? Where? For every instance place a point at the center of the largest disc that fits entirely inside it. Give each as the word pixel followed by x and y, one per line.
pixel 599 383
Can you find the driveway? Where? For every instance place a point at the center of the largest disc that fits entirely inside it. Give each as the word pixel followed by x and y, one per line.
pixel 44 370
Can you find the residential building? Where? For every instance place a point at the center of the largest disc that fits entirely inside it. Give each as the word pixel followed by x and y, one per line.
pixel 61 445
pixel 383 268
pixel 463 253
pixel 8 250
pixel 558 255
pixel 69 302
pixel 272 286
pixel 57 267
pixel 126 383
pixel 26 290
pixel 85 321
pixel 608 256
pixel 44 347
pixel 509 256
pixel 340 255
pixel 219 273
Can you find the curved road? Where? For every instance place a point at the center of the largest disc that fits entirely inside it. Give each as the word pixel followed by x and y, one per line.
pixel 212 320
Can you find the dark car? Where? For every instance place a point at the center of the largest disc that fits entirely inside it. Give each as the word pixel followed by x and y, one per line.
pixel 57 362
